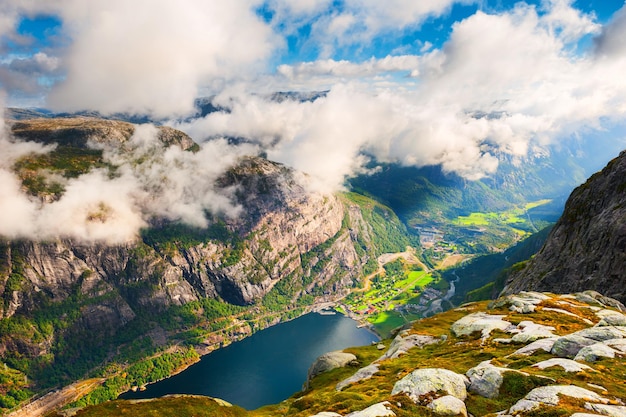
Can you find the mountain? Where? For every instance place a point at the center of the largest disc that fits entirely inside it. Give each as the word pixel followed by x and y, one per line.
pixel 72 308
pixel 531 354
pixel 586 248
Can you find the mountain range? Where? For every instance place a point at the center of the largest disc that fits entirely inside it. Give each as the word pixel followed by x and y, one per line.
pixel 74 309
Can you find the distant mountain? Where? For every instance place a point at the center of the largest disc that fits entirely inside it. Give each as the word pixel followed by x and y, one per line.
pixel 587 247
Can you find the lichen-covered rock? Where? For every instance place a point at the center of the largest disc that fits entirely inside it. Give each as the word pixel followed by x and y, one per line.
pixel 594 352
pixel 607 410
pixel 376 410
pixel 525 302
pixel 360 375
pixel 485 380
pixel 329 361
pixel 611 318
pixel 550 396
pixel 326 414
pixel 480 322
pixel 403 342
pixel 541 344
pixel 448 406
pixel 569 346
pixel 602 333
pixel 567 364
pixel 617 344
pixel 432 380
pixel 528 331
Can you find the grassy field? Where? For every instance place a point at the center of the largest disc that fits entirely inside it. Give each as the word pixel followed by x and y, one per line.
pixel 510 217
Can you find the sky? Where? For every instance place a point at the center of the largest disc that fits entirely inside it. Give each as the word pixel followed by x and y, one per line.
pixel 429 82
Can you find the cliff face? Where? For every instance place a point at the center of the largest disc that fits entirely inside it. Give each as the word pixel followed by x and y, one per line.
pixel 587 247
pixel 71 303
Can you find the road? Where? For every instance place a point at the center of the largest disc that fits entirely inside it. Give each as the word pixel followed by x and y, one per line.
pixel 57 399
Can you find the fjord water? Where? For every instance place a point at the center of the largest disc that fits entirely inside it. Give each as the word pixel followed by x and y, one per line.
pixel 266 367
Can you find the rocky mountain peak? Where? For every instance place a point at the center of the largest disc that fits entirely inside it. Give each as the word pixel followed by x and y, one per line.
pixel 587 247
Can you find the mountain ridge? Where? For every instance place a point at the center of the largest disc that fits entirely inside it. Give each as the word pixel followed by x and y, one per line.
pixel 586 248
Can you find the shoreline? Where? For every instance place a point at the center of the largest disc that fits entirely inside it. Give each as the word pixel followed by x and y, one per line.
pixel 204 350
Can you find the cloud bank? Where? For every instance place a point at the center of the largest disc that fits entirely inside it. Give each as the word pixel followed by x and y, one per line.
pixel 150 182
pixel 504 82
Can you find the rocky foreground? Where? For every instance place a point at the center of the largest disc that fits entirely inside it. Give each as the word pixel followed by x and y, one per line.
pixel 543 355
pixel 530 354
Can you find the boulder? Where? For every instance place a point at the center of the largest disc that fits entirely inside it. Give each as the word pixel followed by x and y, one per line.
pixel 376 410
pixel 404 341
pixel 432 380
pixel 594 297
pixel 360 375
pixel 448 406
pixel 617 344
pixel 607 410
pixel 480 322
pixel 550 396
pixel 329 361
pixel 543 344
pixel 569 346
pixel 594 352
pixel 527 332
pixel 524 302
pixel 485 380
pixel 326 414
pixel 602 333
pixel 567 364
pixel 611 318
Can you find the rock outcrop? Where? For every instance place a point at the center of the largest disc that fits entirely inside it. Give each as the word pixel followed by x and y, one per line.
pixel 586 250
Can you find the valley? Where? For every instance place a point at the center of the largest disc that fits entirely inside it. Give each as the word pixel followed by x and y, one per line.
pixel 129 314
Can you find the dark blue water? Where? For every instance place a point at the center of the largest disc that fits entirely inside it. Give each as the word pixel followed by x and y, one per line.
pixel 265 368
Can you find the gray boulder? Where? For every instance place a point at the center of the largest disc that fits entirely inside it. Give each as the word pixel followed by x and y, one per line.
pixel 569 346
pixel 611 318
pixel 541 344
pixel 524 302
pixel 567 364
pixel 607 410
pixel 602 333
pixel 448 406
pixel 404 341
pixel 485 380
pixel 594 352
pixel 618 344
pixel 550 396
pixel 432 380
pixel 376 410
pixel 527 332
pixel 329 361
pixel 480 322
pixel 360 375
pixel 326 414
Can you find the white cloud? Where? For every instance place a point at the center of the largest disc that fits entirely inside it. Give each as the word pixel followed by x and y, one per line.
pixel 503 83
pixel 150 182
pixel 348 69
pixel 153 55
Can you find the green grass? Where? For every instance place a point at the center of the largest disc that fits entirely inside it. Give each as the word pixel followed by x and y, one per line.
pixel 386 321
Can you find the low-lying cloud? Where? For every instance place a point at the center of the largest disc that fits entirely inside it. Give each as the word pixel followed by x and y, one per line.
pixel 150 182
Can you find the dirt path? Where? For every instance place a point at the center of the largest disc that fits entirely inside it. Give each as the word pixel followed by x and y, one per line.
pixel 57 399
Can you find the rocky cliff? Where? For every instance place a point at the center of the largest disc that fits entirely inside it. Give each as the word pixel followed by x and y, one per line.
pixel 70 305
pixel 587 247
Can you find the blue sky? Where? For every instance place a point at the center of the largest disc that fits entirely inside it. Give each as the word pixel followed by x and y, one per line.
pixel 298 34
pixel 456 83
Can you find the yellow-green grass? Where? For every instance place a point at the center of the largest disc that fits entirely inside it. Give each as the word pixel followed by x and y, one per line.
pixel 535 204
